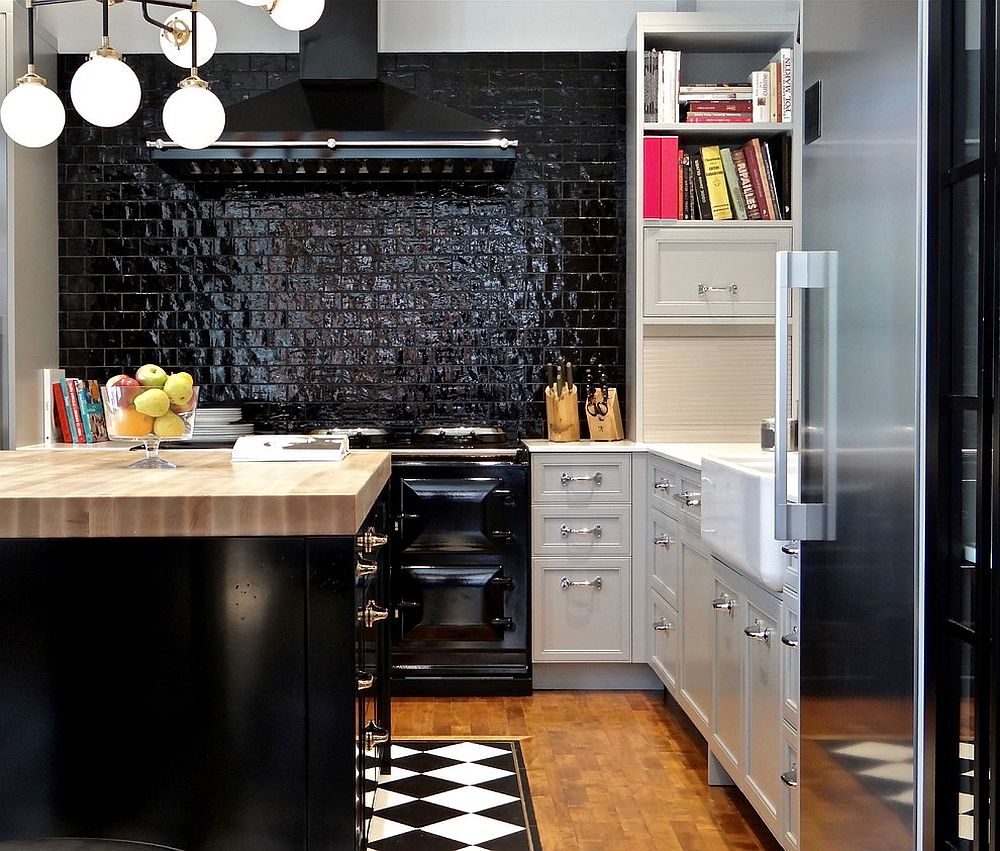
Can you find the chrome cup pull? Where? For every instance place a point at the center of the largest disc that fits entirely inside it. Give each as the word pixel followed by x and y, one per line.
pixel 663 541
pixel 662 625
pixel 723 603
pixel 791 778
pixel 705 289
pixel 566 583
pixel 689 498
pixel 565 531
pixel 662 485
pixel 375 735
pixel 792 638
pixel 596 478
pixel 790 551
pixel 372 614
pixel 758 632
pixel 365 680
pixel 364 568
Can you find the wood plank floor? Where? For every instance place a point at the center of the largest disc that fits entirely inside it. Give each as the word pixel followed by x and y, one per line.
pixel 608 770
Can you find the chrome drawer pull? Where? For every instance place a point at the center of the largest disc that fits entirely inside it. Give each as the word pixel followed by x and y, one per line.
pixel 565 531
pixel 663 541
pixel 791 778
pixel 370 539
pixel 790 551
pixel 566 583
pixel 792 639
pixel 723 604
pixel 689 498
pixel 596 478
pixel 662 625
pixel 365 680
pixel 372 614
pixel 374 735
pixel 758 632
pixel 662 485
pixel 705 289
pixel 364 568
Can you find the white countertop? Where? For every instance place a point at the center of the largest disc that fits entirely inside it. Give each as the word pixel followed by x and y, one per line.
pixel 689 454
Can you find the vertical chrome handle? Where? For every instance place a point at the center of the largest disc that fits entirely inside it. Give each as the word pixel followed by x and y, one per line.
pixel 791 778
pixel 791 639
pixel 758 632
pixel 662 625
pixel 662 485
pixel 723 604
pixel 813 521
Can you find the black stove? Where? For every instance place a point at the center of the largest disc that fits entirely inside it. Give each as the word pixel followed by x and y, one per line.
pixel 435 441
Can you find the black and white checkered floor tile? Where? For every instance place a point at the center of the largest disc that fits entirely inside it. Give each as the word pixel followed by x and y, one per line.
pixel 453 796
pixel 888 769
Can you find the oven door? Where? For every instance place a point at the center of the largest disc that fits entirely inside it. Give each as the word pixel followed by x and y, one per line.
pixel 454 515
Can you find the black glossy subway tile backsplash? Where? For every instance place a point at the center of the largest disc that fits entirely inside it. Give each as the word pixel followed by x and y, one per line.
pixel 357 302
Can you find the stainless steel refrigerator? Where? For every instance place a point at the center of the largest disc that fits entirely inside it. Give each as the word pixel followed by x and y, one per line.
pixel 857 378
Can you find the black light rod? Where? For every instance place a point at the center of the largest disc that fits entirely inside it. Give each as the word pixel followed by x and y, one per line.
pixel 31 37
pixel 194 40
pixel 165 3
pixel 148 19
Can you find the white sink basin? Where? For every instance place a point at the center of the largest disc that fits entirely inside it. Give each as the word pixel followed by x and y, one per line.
pixel 737 514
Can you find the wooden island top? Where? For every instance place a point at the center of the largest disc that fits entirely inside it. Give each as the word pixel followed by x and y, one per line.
pixel 92 494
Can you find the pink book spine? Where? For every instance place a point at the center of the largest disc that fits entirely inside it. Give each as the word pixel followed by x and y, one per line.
pixel 668 177
pixel 651 177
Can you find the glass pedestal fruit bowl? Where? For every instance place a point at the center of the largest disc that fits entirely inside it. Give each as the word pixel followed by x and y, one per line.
pixel 146 415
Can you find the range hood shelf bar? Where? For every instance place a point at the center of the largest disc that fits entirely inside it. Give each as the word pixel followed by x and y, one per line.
pixel 333 144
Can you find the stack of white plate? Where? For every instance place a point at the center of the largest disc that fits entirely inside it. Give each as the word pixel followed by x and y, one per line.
pixel 219 425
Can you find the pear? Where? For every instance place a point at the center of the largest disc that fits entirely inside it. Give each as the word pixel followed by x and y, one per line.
pixel 179 387
pixel 168 425
pixel 150 375
pixel 153 402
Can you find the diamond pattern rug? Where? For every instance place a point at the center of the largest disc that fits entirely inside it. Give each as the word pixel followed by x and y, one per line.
pixel 453 795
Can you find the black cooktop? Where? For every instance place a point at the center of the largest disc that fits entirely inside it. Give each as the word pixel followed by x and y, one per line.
pixel 445 437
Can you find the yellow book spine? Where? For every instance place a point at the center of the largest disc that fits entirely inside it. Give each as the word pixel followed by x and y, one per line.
pixel 715 177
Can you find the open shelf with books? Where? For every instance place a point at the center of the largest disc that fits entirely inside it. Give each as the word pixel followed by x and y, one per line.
pixel 714 123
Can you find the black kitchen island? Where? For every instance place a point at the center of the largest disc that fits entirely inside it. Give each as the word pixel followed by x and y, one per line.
pixel 205 692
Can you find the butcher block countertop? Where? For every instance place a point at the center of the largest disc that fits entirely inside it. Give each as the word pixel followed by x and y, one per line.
pixel 81 494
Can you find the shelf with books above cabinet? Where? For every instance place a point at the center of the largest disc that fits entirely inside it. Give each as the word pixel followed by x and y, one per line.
pixel 701 297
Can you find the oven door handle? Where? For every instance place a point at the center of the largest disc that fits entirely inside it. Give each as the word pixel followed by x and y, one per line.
pixel 401 518
pixel 506 499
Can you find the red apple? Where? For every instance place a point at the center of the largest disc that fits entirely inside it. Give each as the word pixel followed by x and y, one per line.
pixel 121 380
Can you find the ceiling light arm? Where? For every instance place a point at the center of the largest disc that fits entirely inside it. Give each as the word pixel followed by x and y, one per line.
pixel 194 38
pixel 29 5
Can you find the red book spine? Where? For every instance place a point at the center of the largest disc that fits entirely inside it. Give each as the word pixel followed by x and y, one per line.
pixel 679 170
pixel 718 118
pixel 61 415
pixel 651 177
pixel 668 177
pixel 77 418
pixel 756 181
pixel 721 106
pixel 769 202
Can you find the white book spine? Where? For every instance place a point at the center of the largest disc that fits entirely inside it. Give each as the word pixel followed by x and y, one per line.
pixel 675 87
pixel 661 89
pixel 786 84
pixel 759 80
pixel 50 425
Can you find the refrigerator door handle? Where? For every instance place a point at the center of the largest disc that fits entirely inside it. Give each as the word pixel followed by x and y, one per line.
pixel 816 273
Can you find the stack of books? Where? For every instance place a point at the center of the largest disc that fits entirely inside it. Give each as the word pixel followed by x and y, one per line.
pixel 751 181
pixel 77 411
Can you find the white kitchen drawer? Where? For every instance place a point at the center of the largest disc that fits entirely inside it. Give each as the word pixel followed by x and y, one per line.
pixel 664 481
pixel 665 626
pixel 789 834
pixel 580 478
pixel 790 659
pixel 664 555
pixel 688 499
pixel 690 272
pixel 580 622
pixel 589 531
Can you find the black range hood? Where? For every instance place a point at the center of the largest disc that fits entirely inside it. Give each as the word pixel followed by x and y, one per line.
pixel 340 121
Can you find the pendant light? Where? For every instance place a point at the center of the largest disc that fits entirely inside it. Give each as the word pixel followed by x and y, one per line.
pixel 175 39
pixel 104 90
pixel 31 113
pixel 296 15
pixel 193 116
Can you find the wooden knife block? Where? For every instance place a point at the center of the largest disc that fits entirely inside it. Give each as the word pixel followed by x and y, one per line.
pixel 608 427
pixel 563 415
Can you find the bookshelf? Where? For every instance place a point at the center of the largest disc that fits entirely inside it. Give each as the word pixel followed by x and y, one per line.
pixel 705 285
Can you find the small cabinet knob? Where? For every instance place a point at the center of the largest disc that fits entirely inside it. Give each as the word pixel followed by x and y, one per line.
pixel 725 603
pixel 375 735
pixel 365 680
pixel 371 539
pixel 372 614
pixel 662 625
pixel 364 568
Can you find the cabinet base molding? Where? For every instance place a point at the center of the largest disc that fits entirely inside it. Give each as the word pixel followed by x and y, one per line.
pixel 607 676
pixel 717 773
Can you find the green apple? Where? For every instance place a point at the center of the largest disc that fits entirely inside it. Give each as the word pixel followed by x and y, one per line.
pixel 152 402
pixel 179 387
pixel 168 425
pixel 150 375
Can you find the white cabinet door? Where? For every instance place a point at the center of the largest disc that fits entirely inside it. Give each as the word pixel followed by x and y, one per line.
pixel 789 835
pixel 664 657
pixel 664 555
pixel 728 737
pixel 790 659
pixel 763 708
pixel 697 636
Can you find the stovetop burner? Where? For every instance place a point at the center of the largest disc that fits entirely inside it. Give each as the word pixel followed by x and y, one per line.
pixel 435 439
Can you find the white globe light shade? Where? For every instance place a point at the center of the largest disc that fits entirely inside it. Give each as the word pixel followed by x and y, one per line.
pixel 194 117
pixel 208 40
pixel 32 115
pixel 254 2
pixel 296 15
pixel 105 91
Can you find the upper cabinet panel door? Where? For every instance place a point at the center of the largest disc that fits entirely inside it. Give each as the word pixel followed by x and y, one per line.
pixel 701 273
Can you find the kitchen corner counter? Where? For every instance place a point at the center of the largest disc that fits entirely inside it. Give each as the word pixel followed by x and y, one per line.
pixel 689 454
pixel 80 494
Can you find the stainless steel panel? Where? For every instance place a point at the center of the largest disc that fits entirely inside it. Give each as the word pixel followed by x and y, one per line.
pixel 862 199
